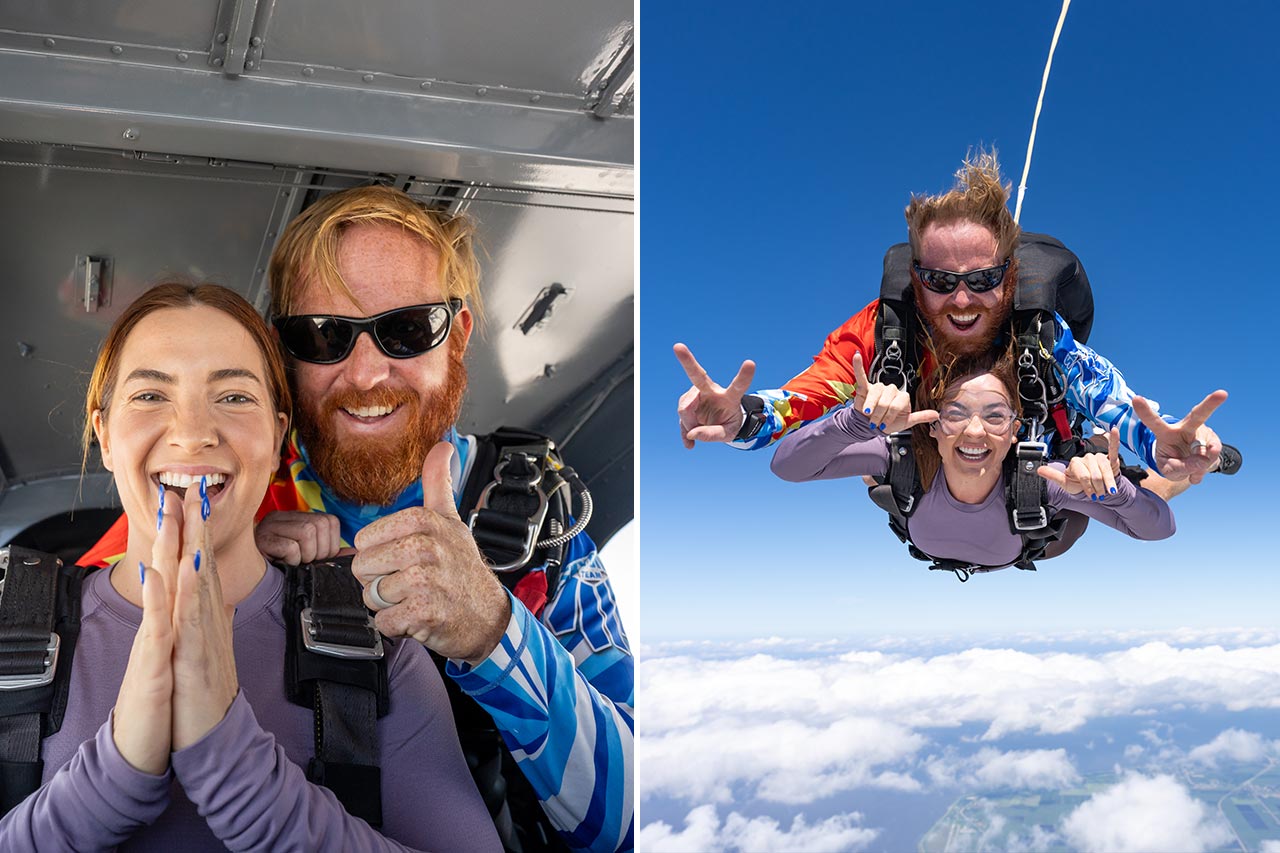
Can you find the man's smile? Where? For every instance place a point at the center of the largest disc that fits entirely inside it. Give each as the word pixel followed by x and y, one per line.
pixel 963 322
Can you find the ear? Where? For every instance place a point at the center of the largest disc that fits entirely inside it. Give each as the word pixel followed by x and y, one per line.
pixel 282 430
pixel 100 432
pixel 464 321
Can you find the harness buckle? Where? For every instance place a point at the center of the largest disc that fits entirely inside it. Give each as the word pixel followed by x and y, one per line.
pixel 339 650
pixel 36 679
pixel 533 523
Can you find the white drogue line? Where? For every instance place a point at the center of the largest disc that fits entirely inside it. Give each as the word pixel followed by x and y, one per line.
pixel 1044 82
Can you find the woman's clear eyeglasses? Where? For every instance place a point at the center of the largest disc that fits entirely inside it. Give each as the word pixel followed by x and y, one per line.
pixel 997 420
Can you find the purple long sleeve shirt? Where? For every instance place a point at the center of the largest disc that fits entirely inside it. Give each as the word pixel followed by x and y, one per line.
pixel 242 786
pixel 844 445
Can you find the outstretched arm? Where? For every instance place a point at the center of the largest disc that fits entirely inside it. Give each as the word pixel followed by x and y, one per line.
pixel 1098 390
pixel 1091 484
pixel 825 384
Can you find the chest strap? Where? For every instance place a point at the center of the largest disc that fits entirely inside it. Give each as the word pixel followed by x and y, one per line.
pixel 335 664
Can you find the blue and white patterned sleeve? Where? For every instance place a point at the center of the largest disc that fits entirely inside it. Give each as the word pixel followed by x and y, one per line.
pixel 561 691
pixel 1096 389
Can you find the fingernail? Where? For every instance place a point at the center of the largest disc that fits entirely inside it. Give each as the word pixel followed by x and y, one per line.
pixel 197 561
pixel 160 517
pixel 142 572
pixel 866 411
pixel 204 505
pixel 1113 490
pixel 161 487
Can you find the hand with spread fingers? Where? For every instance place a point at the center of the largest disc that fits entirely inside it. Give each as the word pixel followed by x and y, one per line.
pixel 295 538
pixel 425 577
pixel 887 407
pixel 1188 449
pixel 1091 473
pixel 709 412
pixel 204 663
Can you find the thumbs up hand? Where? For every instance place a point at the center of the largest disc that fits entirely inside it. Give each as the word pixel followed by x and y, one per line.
pixel 424 575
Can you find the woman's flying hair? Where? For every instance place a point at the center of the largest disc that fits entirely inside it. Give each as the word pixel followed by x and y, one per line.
pixel 978 196
pixel 937 386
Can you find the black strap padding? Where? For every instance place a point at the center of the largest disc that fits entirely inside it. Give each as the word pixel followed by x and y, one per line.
pixel 347 753
pixel 339 620
pixel 17 780
pixel 40 597
pixel 753 417
pixel 1051 278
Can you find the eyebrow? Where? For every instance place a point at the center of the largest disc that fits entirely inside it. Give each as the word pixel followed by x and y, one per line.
pixel 150 375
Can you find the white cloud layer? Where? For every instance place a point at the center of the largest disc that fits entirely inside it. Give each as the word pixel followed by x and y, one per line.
pixel 704 832
pixel 1233 745
pixel 990 769
pixel 1144 813
pixel 795 729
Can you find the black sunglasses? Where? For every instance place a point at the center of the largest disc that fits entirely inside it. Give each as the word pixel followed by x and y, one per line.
pixel 978 281
pixel 399 333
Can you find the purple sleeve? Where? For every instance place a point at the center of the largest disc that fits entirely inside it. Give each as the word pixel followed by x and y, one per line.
pixel 1133 511
pixel 254 797
pixel 842 445
pixel 97 800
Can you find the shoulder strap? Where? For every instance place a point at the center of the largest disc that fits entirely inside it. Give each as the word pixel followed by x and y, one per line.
pixel 39 626
pixel 1027 500
pixel 897 358
pixel 335 665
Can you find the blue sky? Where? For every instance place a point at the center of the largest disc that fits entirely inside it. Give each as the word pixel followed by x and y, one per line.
pixel 777 154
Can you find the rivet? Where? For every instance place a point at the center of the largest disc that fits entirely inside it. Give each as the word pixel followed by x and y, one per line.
pixel 217 61
pixel 184 56
pixel 30 561
pixel 902 451
pixel 1030 466
pixel 49 42
pixel 482 91
pixel 222 38
pixel 25 349
pixel 130 133
pixel 368 78
pixel 256 41
pixel 425 84
pixel 117 49
pixel 549 370
pixel 308 71
pixel 535 98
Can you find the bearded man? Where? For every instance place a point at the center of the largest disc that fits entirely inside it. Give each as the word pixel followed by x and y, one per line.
pixel 374 298
pixel 963 277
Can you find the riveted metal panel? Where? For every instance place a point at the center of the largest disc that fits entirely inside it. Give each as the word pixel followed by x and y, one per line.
pixel 180 25
pixel 553 46
pixel 151 220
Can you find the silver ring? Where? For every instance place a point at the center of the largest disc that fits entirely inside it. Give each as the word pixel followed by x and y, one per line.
pixel 379 602
pixel 1196 445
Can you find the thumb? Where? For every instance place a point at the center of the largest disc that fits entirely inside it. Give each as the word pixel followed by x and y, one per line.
pixel 437 482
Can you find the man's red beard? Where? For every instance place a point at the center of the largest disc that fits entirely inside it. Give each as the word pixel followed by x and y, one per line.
pixel 937 323
pixel 374 471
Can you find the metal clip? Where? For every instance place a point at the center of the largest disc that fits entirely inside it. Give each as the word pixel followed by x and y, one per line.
pixel 338 650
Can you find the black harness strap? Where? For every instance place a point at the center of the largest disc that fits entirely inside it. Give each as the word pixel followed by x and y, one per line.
pixel 39 624
pixel 335 665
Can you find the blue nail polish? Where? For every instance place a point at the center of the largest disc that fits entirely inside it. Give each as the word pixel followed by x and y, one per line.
pixel 204 501
pixel 160 518
pixel 882 426
pixel 142 572
pixel 197 561
pixel 162 497
pixel 866 411
pixel 1113 490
